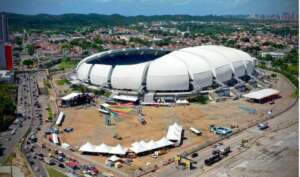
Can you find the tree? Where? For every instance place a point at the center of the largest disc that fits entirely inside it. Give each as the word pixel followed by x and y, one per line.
pixel 30 49
pixel 268 57
pixel 28 62
pixel 19 41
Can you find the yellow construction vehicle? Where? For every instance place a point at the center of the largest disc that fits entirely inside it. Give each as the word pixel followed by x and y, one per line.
pixel 182 162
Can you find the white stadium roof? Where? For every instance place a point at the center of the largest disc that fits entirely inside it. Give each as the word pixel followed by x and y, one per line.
pixel 163 71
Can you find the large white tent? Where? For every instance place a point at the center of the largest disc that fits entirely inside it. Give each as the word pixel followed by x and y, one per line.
pixel 103 149
pixel 118 150
pixel 174 132
pixel 142 146
pixel 87 147
pixel 71 96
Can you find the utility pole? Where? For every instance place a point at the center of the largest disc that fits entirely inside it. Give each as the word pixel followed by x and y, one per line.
pixel 11 170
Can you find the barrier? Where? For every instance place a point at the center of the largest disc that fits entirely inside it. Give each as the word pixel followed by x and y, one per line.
pixel 249 110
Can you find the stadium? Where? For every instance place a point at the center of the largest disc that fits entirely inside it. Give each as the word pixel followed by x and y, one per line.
pixel 186 70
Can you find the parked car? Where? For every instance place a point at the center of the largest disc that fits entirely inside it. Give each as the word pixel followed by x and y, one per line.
pixel 263 126
pixel 68 129
pixel 194 155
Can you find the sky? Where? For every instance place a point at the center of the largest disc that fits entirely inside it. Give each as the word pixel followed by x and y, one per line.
pixel 150 7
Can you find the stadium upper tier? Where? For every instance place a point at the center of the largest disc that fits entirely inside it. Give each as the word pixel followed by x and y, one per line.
pixel 160 70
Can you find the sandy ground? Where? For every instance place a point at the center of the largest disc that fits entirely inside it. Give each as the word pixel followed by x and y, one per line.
pixel 89 126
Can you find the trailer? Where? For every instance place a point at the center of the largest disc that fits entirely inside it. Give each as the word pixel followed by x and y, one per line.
pixel 55 139
pixel 195 131
pixel 104 108
pixel 59 119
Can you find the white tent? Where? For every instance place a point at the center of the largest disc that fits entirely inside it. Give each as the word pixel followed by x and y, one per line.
pixel 260 94
pixel 71 96
pixel 87 147
pixel 151 145
pixel 113 158
pixel 118 150
pixel 65 145
pixel 142 146
pixel 137 148
pixel 174 132
pixel 103 148
pixel 163 142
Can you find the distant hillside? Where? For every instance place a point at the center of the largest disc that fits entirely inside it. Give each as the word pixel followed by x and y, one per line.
pixel 45 21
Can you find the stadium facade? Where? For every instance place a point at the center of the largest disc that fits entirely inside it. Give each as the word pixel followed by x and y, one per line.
pixel 154 70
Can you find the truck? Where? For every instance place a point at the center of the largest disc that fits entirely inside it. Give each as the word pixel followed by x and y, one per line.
pixel 212 159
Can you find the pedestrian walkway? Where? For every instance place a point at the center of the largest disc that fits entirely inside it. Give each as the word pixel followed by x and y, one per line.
pixel 16 171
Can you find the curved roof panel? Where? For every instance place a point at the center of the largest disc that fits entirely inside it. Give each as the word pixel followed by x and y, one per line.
pixel 83 71
pixel 128 76
pixel 167 73
pixel 192 62
pixel 99 74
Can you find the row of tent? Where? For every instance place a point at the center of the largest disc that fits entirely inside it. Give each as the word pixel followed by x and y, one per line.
pixel 103 149
pixel 174 134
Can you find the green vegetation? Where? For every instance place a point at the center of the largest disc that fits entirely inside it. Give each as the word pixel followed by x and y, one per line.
pixel 50 113
pixel 28 62
pixel 287 66
pixel 47 83
pixel 70 22
pixel 207 29
pixel 19 41
pixel 99 92
pixel 7 105
pixel 294 69
pixel 67 63
pixel 164 42
pixel 202 99
pixel 102 92
pixel 62 82
pixel 30 49
pixel 140 41
pixel 54 173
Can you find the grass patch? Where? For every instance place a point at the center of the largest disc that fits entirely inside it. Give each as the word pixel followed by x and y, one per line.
pixel 50 113
pixel 47 83
pixel 201 99
pixel 67 63
pixel 54 173
pixel 62 82
pixel 8 97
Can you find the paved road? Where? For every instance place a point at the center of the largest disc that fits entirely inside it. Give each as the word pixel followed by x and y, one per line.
pixel 29 144
pixel 253 134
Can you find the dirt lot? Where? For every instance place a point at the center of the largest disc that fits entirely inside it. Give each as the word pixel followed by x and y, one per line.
pixel 89 126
